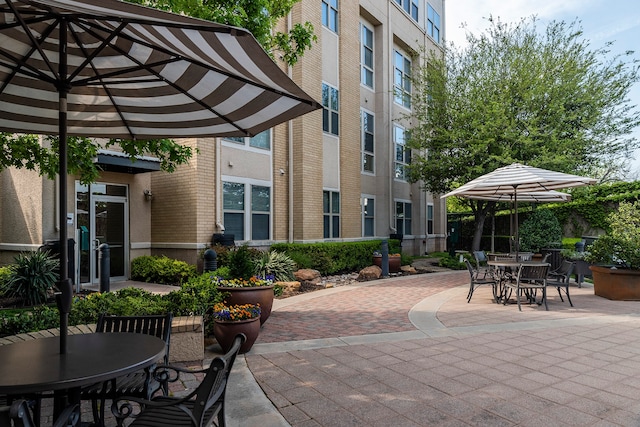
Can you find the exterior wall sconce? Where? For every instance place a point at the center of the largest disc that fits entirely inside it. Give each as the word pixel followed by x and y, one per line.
pixel 148 195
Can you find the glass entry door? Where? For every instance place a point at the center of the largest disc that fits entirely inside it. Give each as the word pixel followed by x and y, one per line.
pixel 102 217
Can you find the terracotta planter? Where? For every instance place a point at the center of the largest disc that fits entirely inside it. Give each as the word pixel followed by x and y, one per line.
pixel 262 295
pixel 226 331
pixel 618 284
pixel 394 262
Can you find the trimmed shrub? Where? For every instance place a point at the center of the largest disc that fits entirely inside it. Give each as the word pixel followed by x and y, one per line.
pixel 162 270
pixel 333 257
pixel 540 230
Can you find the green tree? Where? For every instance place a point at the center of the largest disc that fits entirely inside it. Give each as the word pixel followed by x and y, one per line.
pixel 258 16
pixel 518 94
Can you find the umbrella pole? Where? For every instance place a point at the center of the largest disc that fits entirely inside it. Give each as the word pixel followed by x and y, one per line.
pixel 63 299
pixel 516 225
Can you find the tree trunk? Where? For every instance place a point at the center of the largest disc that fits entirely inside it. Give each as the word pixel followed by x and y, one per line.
pixel 480 211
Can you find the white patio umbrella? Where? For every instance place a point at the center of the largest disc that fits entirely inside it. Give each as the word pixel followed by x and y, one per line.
pixel 551 196
pixel 516 180
pixel 105 68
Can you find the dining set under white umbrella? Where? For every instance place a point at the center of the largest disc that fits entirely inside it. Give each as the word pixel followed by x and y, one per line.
pixel 520 183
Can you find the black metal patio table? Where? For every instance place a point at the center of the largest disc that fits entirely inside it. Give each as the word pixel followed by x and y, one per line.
pixel 37 366
pixel 504 270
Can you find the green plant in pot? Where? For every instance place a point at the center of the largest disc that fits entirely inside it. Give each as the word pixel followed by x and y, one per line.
pixel 618 253
pixel 231 320
pixel 255 290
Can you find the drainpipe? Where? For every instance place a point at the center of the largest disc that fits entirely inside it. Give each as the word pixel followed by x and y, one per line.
pixel 392 211
pixel 290 153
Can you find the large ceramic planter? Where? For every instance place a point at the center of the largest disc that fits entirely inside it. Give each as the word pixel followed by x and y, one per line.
pixel 262 295
pixel 226 331
pixel 395 262
pixel 616 284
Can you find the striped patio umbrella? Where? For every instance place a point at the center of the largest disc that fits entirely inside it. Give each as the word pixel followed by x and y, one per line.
pixel 518 181
pixel 105 68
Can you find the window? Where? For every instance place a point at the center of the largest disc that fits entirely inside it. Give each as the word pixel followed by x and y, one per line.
pixel 331 208
pixel 429 218
pixel 368 217
pixel 330 104
pixel 261 140
pixel 233 208
pixel 401 80
pixel 330 14
pixel 366 126
pixel 403 218
pixel 403 154
pixel 410 6
pixel 366 56
pixel 433 23
pixel 236 218
pixel 260 211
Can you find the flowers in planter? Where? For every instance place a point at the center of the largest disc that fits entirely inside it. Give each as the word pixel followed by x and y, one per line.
pixel 246 283
pixel 230 313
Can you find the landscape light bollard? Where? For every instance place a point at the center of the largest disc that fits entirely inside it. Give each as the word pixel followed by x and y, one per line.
pixel 210 260
pixel 385 258
pixel 105 267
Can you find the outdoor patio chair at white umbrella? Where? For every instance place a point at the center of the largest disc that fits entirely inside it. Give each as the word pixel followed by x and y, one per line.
pixel 105 68
pixel 517 179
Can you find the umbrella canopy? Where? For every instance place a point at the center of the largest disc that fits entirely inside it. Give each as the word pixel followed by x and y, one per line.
pixel 515 181
pixel 550 196
pixel 105 68
pixel 518 178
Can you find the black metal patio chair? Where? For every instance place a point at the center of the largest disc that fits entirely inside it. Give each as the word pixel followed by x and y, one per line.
pixel 560 277
pixel 202 407
pixel 529 279
pixel 477 279
pixel 140 384
pixel 17 414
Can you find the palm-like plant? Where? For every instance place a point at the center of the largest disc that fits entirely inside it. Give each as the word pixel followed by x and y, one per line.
pixel 276 264
pixel 31 276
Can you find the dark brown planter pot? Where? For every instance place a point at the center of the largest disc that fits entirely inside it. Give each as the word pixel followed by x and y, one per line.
pixel 262 295
pixel 394 262
pixel 226 331
pixel 617 284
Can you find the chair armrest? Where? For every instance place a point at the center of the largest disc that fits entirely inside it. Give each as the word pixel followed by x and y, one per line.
pixel 123 406
pixel 169 373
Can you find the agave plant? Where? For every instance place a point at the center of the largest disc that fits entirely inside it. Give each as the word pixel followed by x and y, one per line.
pixel 31 276
pixel 276 264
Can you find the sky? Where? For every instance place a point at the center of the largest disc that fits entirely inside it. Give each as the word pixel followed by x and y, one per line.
pixel 602 21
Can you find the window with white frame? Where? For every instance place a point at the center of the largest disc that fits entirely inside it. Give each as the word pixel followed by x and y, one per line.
pixel 330 14
pixel 366 55
pixel 233 208
pixel 331 210
pixel 411 7
pixel 261 140
pixel 260 212
pixel 366 127
pixel 403 218
pixel 433 23
pixel 243 222
pixel 403 154
pixel 402 79
pixel 368 217
pixel 429 218
pixel 330 110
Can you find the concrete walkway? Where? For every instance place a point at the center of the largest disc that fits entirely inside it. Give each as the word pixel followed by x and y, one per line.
pixel 410 351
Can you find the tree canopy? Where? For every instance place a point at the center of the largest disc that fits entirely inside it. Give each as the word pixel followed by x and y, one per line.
pixel 258 16
pixel 519 93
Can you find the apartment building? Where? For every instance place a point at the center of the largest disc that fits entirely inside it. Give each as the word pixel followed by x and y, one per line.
pixel 337 174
